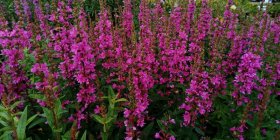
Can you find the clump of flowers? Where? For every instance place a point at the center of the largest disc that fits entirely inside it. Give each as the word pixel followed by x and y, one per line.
pixel 245 80
pixel 207 70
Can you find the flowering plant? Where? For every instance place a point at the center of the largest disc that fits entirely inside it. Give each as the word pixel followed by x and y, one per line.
pixel 144 70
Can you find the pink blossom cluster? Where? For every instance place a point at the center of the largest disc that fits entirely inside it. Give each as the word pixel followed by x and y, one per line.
pixel 13 81
pixel 209 56
pixel 246 78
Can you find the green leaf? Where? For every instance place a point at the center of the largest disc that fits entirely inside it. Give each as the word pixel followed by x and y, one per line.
pixel 121 100
pixel 49 116
pixel 6 128
pixel 199 131
pixel 58 109
pixel 31 119
pixel 6 136
pixel 4 123
pixel 104 97
pixel 111 93
pixel 84 137
pixel 21 126
pixel 99 119
pixel 17 113
pixel 147 130
pixel 37 96
pixel 117 109
pixel 250 123
pixel 34 123
pixel 4 116
pixel 15 104
pixel 66 136
pixel 2 108
pixel 58 130
pixel 104 135
pixel 108 120
pixel 172 133
pixel 161 125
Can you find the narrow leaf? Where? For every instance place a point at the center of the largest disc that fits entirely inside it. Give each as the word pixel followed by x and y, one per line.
pixel 15 104
pixel 111 93
pixel 121 100
pixel 34 123
pixel 31 119
pixel 21 126
pixel 147 130
pixel 84 137
pixel 7 128
pixel 37 96
pixel 49 116
pixel 99 119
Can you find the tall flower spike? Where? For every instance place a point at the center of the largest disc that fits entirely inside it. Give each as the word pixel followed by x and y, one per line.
pixel 104 36
pixel 248 67
pixel 84 65
pixel 190 15
pixel 12 76
pixel 127 18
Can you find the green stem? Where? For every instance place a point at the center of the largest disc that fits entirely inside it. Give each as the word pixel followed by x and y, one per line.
pixel 104 136
pixel 13 123
pixel 57 134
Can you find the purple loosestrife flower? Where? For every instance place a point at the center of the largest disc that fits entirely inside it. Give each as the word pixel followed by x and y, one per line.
pixel 172 138
pixel 277 73
pixel 190 15
pixel 275 28
pixel 198 38
pixel 219 83
pixel 145 30
pixel 17 7
pixel 119 62
pixel 42 18
pixel 12 77
pixel 160 21
pixel 40 68
pixel 238 131
pixel 234 56
pixel 47 84
pixel 198 100
pixel 204 21
pixel 232 26
pixel 247 73
pixel 157 135
pixel 176 51
pixel 246 78
pixel 63 38
pixel 142 71
pixel 170 50
pixel 172 58
pixel 84 65
pixel 224 37
pixel 127 18
pixel 26 9
pixel 104 36
pixel 265 30
pixel 217 53
pixel 176 19
pixel 230 21
pixel 85 68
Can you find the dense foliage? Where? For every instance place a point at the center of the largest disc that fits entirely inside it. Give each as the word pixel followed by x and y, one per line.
pixel 131 69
